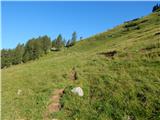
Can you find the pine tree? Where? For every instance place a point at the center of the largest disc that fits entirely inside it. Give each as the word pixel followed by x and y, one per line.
pixel 59 42
pixel 156 8
pixel 74 38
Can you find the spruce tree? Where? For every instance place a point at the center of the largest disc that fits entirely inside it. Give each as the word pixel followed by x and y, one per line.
pixel 156 8
pixel 59 42
pixel 74 38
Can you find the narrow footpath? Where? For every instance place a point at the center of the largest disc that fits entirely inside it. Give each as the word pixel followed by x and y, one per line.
pixel 54 105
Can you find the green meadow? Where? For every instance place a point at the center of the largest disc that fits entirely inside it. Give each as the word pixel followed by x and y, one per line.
pixel 118 70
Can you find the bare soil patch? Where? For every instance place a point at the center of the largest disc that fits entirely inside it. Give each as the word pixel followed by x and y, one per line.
pixel 54 105
pixel 109 54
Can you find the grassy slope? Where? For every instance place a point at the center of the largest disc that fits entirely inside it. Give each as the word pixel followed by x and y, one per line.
pixel 127 86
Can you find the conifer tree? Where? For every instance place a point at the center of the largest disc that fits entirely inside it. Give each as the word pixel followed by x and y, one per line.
pixel 74 38
pixel 156 8
pixel 59 42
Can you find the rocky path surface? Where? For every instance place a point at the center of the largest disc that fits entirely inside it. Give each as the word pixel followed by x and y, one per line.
pixel 54 105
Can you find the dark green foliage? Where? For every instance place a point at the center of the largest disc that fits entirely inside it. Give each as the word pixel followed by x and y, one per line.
pixel 18 54
pixel 39 49
pixel 46 43
pixel 54 43
pixel 31 49
pixel 12 56
pixel 131 26
pixel 59 42
pixel 35 48
pixel 74 38
pixel 156 8
pixel 26 57
pixel 6 57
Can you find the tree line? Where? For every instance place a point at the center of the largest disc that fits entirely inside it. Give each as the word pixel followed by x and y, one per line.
pixel 34 49
pixel 156 8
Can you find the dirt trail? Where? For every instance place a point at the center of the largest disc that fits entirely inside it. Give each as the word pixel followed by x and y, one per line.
pixel 54 105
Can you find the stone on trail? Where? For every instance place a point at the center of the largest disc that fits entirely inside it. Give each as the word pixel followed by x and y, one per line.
pixel 78 90
pixel 19 91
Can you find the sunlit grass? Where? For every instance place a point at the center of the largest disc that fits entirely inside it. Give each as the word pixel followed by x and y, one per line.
pixel 125 86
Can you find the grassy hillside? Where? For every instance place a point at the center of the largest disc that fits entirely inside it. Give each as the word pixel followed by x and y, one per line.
pixel 117 69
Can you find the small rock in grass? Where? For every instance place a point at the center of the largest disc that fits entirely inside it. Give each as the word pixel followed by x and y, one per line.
pixel 78 90
pixel 19 91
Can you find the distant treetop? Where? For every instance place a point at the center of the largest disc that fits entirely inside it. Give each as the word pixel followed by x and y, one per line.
pixel 156 8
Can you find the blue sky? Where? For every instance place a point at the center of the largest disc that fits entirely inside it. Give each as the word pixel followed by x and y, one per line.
pixel 24 20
